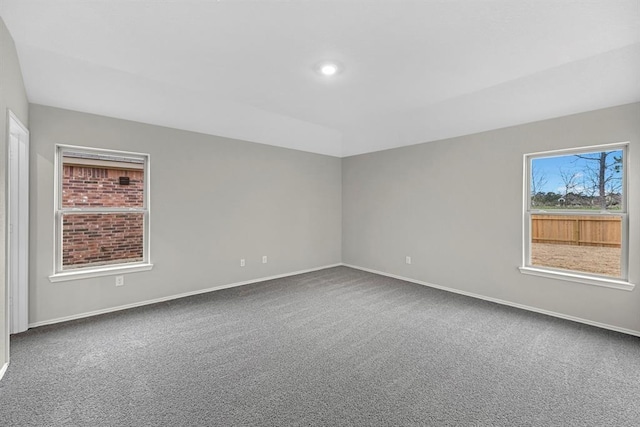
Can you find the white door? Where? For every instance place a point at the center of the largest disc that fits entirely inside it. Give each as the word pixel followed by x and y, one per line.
pixel 18 226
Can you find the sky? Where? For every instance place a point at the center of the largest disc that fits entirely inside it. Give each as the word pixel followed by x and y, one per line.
pixel 550 167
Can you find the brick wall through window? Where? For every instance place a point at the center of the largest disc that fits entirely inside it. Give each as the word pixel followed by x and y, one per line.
pixel 101 238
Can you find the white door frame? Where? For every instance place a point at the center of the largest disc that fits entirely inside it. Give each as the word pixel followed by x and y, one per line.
pixel 18 224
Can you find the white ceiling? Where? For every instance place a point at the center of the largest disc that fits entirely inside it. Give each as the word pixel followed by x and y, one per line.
pixel 415 71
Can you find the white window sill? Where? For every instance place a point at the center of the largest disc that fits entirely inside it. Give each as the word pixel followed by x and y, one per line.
pixel 87 273
pixel 579 278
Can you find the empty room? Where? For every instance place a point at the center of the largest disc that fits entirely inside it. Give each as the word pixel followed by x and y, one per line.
pixel 362 213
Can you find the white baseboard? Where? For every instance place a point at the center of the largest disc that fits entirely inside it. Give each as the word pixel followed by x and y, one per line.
pixel 3 369
pixel 503 302
pixel 172 297
pixel 395 276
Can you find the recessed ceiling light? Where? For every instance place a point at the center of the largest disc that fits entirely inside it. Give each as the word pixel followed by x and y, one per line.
pixel 328 69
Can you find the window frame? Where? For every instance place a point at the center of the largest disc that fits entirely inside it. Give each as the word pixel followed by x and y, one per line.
pixel 573 275
pixel 59 274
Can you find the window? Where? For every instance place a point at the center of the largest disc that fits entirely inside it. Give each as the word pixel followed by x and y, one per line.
pixel 575 221
pixel 101 213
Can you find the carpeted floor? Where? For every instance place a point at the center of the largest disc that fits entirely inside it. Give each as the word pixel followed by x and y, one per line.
pixel 333 347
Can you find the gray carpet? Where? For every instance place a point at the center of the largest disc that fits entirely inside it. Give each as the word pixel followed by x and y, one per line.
pixel 333 347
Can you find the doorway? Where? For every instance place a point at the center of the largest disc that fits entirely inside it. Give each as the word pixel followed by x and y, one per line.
pixel 18 226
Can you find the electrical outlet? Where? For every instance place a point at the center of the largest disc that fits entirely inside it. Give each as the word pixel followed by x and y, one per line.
pixel 119 280
pixel 242 262
pixel 264 259
pixel 407 260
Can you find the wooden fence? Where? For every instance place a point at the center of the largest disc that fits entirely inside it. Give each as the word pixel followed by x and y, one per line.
pixel 577 230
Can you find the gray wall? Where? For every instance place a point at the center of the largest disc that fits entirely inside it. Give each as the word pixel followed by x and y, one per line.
pixel 14 98
pixel 455 207
pixel 213 201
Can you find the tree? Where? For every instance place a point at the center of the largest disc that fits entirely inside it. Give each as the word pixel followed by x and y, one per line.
pixel 590 185
pixel 605 171
pixel 538 181
pixel 570 181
